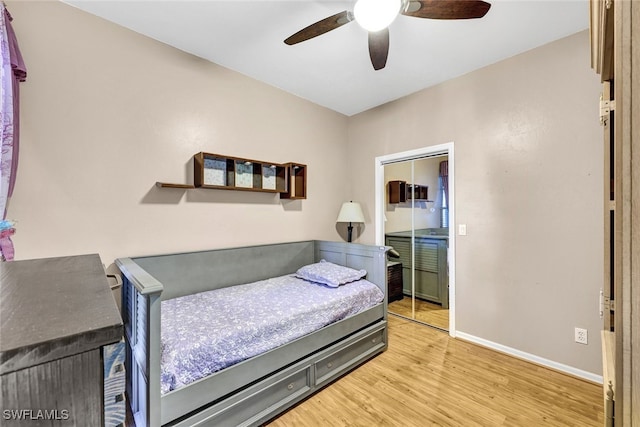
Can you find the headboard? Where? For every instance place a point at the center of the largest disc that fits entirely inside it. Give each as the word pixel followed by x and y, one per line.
pixel 181 274
pixel 373 259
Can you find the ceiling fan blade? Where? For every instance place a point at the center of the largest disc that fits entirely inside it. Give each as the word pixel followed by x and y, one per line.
pixel 321 27
pixel 379 48
pixel 447 9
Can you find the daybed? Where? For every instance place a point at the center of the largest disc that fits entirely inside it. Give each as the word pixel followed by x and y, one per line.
pixel 259 388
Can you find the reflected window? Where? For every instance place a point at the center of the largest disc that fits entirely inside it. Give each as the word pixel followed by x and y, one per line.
pixel 444 209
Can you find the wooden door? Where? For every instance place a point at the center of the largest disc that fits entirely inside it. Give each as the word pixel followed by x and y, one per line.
pixel 615 47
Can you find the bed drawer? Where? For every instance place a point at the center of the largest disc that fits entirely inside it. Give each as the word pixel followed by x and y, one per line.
pixel 339 362
pixel 253 403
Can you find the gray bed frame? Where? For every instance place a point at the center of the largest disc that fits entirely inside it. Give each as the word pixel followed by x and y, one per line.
pixel 255 390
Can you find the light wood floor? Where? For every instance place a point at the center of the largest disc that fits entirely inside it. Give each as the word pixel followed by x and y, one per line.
pixel 426 378
pixel 427 312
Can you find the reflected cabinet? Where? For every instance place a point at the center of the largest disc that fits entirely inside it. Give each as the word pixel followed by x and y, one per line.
pixel 401 192
pixel 431 277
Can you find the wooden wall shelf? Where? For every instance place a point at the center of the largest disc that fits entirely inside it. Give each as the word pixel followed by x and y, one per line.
pixel 401 192
pixel 297 180
pixel 170 185
pixel 421 192
pixel 397 191
pixel 220 172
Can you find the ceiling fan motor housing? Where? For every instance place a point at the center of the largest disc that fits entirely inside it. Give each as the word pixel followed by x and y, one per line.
pixel 376 15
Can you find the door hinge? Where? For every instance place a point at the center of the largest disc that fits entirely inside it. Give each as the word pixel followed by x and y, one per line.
pixel 606 303
pixel 605 108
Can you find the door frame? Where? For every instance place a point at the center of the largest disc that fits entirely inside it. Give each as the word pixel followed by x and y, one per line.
pixel 380 162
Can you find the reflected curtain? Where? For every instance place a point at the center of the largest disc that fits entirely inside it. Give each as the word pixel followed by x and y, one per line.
pixel 13 71
pixel 444 176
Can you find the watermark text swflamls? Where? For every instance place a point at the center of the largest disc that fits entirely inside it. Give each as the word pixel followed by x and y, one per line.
pixel 35 414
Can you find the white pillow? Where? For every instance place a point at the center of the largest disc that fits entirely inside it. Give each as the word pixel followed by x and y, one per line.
pixel 329 274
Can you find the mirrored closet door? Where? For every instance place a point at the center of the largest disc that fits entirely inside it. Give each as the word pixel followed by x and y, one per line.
pixel 416 226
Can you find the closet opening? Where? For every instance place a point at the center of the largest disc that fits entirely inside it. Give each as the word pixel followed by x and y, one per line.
pixel 414 207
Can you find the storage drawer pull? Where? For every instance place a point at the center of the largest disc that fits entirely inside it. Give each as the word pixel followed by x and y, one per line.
pixel 329 365
pixel 374 340
pixel 291 386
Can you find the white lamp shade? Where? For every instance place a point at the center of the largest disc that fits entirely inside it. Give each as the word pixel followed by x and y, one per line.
pixel 350 212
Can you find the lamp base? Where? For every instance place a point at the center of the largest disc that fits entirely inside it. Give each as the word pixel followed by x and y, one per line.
pixel 349 232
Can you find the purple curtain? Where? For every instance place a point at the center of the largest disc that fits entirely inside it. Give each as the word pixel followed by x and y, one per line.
pixel 13 72
pixel 19 75
pixel 444 175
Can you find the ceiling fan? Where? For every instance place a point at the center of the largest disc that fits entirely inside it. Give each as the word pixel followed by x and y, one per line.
pixel 375 16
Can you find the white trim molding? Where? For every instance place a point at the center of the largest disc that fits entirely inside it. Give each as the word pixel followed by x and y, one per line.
pixel 556 366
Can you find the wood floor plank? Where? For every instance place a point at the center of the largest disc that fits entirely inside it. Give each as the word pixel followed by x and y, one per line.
pixel 426 312
pixel 426 378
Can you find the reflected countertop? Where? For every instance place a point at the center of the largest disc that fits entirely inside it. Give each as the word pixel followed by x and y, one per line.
pixel 425 233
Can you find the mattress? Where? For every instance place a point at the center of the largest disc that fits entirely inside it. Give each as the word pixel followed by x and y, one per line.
pixel 206 332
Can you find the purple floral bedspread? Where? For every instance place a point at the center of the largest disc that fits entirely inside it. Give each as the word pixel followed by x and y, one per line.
pixel 209 331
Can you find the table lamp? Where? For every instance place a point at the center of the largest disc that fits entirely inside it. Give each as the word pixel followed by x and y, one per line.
pixel 350 212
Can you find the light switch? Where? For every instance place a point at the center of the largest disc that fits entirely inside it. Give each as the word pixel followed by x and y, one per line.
pixel 462 229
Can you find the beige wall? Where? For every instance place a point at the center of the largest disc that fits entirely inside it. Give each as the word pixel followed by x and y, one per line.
pixel 398 215
pixel 107 112
pixel 528 181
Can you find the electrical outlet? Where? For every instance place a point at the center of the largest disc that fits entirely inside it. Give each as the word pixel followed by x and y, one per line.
pixel 581 336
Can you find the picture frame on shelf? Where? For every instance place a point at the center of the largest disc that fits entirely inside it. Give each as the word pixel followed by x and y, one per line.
pixel 269 177
pixel 244 174
pixel 215 172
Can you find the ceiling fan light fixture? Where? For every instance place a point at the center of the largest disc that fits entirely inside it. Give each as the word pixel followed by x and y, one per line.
pixel 376 15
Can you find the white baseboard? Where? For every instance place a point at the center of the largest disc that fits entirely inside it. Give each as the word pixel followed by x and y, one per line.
pixel 531 358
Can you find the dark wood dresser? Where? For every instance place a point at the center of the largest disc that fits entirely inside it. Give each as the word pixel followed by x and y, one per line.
pixel 56 314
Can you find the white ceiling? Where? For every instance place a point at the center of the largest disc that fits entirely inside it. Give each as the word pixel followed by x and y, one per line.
pixel 334 69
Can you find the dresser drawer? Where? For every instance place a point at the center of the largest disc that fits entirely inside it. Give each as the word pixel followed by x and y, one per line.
pixel 336 363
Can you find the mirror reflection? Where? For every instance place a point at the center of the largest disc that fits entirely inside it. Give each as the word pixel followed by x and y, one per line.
pixel 416 226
